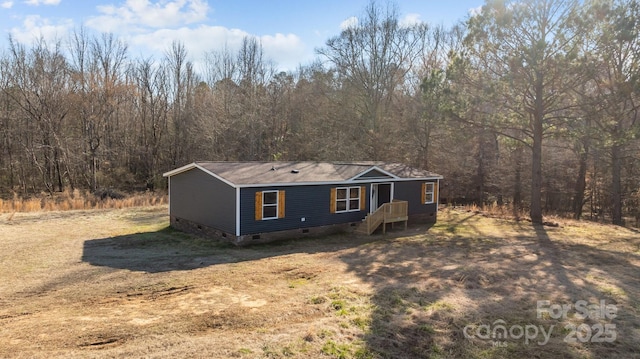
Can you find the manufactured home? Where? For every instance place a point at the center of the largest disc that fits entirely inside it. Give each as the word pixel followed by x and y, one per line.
pixel 252 202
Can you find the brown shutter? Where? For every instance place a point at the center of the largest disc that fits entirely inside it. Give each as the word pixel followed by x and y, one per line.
pixel 280 204
pixel 435 192
pixel 363 196
pixel 332 202
pixel 424 193
pixel 258 206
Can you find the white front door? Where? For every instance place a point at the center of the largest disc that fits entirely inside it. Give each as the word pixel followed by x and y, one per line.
pixel 373 201
pixel 380 193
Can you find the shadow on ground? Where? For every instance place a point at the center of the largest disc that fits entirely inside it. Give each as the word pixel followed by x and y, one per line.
pixel 171 250
pixel 428 289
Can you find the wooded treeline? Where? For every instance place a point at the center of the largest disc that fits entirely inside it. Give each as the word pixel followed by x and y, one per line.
pixel 532 103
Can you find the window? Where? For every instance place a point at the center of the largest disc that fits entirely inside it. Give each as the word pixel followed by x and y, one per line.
pixel 347 199
pixel 429 192
pixel 269 205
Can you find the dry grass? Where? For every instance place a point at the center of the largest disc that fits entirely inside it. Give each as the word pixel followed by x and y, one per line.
pixel 78 200
pixel 118 283
pixel 505 211
pixel 508 211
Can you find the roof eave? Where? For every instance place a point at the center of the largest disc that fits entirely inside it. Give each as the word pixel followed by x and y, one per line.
pixel 193 165
pixel 180 170
pixel 345 182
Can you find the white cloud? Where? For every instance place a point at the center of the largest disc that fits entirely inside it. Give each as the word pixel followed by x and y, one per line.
pixel 349 22
pixel 284 50
pixel 196 41
pixel 6 4
pixel 410 20
pixel 42 2
pixel 135 15
pixel 34 27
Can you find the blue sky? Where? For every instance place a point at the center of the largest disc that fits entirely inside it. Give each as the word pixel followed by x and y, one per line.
pixel 289 30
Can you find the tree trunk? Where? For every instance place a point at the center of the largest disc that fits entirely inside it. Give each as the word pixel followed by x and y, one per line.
pixel 58 172
pixel 517 182
pixel 47 174
pixel 581 183
pixel 94 172
pixel 536 159
pixel 11 165
pixel 480 171
pixel 425 147
pixel 536 183
pixel 616 185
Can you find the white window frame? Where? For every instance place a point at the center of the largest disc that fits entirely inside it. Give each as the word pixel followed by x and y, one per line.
pixel 276 205
pixel 429 193
pixel 348 199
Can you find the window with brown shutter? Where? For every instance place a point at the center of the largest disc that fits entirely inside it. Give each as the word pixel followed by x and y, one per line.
pixel 428 192
pixel 280 204
pixel 435 192
pixel 332 202
pixel 347 199
pixel 269 205
pixel 258 204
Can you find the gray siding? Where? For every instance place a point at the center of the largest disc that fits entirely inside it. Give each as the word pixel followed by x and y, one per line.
pixel 202 198
pixel 309 202
pixel 411 191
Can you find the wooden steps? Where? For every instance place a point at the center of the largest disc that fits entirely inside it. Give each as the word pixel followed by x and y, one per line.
pixel 396 211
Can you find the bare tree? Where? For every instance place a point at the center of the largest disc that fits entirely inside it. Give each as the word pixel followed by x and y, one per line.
pixel 254 73
pixel 152 118
pixel 37 82
pixel 97 73
pixel 374 57
pixel 183 83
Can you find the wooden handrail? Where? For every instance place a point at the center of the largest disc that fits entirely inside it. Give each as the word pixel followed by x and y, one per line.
pixel 395 211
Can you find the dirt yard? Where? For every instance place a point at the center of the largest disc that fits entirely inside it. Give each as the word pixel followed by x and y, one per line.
pixel 119 283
